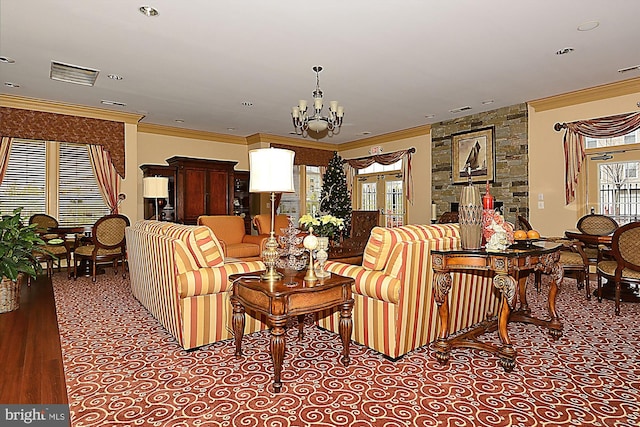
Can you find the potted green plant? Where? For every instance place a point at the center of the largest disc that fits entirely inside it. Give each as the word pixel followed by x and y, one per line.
pixel 17 243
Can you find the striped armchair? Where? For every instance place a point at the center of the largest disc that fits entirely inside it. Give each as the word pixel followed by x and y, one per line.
pixel 178 272
pixel 394 311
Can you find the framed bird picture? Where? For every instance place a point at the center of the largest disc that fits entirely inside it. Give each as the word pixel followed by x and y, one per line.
pixel 473 153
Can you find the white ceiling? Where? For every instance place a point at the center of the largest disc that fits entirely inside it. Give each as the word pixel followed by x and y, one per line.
pixel 389 63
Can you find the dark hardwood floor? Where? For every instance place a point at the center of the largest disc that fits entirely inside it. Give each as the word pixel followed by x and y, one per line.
pixel 31 370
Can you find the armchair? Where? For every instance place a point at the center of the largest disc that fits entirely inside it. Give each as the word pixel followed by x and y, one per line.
pixel 230 231
pixel 262 222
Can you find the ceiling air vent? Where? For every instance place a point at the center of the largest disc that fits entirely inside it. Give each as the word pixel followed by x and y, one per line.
pixel 461 109
pixel 73 73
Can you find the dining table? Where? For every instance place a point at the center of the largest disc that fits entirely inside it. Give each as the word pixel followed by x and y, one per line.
pixel 71 237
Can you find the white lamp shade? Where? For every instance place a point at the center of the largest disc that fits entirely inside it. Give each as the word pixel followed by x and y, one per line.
pixel 271 170
pixel 155 187
pixel 318 125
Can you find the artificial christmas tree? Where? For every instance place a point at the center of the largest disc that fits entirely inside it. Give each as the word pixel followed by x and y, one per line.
pixel 335 199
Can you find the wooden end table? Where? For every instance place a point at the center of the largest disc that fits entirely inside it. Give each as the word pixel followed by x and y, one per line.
pixel 286 298
pixel 511 268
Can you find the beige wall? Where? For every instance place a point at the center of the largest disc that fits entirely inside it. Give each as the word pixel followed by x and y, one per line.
pixel 154 148
pixel 546 158
pixel 420 211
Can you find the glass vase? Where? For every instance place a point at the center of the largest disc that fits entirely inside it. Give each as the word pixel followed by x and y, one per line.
pixel 322 256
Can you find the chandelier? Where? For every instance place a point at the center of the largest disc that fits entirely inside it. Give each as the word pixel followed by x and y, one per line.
pixel 303 122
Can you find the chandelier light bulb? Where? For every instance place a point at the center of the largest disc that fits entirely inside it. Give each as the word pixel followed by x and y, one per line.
pixel 303 122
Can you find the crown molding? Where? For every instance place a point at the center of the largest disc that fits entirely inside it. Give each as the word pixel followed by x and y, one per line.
pixel 295 142
pixel 190 133
pixel 68 109
pixel 596 93
pixel 387 137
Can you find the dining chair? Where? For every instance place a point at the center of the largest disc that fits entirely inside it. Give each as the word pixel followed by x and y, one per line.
pixel 625 266
pixel 596 225
pixel 44 223
pixel 108 244
pixel 523 224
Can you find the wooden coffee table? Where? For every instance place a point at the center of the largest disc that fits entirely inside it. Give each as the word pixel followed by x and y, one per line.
pixel 286 298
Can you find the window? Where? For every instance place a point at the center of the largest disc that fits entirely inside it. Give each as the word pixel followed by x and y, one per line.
pixel 24 183
pixel 380 188
pixel 33 181
pixel 291 205
pixel 80 201
pixel 630 138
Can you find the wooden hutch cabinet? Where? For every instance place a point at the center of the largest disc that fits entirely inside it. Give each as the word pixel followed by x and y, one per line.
pixel 203 187
pixel 200 187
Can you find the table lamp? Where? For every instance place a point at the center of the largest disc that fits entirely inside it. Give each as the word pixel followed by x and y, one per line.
pixel 155 187
pixel 271 171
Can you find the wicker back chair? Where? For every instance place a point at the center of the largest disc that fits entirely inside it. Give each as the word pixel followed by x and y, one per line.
pixel 57 252
pixel 43 223
pixel 625 247
pixel 108 244
pixel 597 225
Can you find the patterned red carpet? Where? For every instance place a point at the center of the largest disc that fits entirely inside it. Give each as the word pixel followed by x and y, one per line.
pixel 122 368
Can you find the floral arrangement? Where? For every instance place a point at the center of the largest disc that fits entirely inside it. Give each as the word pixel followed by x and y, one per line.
pixel 497 232
pixel 323 226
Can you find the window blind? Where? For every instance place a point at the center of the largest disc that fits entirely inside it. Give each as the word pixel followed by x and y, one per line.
pixel 80 201
pixel 25 181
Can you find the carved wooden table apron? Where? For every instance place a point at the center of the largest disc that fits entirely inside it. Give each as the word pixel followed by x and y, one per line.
pixel 291 296
pixel 511 268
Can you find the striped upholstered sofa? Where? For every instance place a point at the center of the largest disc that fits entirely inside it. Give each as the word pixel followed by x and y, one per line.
pixel 394 311
pixel 178 272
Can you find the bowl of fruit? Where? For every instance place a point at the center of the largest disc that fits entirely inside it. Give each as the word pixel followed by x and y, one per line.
pixel 524 239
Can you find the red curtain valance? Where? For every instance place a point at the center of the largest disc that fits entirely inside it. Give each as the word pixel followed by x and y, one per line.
pixel 574 149
pixel 29 124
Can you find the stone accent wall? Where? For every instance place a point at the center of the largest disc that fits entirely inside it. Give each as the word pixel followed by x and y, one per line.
pixel 511 184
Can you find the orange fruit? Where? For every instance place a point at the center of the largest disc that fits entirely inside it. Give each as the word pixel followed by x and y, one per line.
pixel 519 234
pixel 533 234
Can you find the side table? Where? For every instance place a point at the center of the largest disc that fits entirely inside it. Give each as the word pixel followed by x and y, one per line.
pixel 289 297
pixel 511 268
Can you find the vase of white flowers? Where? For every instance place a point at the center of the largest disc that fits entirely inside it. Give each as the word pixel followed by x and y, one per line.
pixel 323 226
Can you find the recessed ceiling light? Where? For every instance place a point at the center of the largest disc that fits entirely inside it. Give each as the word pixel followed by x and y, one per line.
pixel 564 51
pixel 247 104
pixel 429 116
pixel 115 76
pixel 488 101
pixel 366 132
pixel 7 60
pixel 588 26
pixel 148 11
pixel 9 84
pixel 231 129
pixel 179 121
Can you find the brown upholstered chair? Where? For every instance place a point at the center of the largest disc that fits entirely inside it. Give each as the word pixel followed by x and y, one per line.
pixel 231 233
pixel 262 222
pixel 575 263
pixel 50 252
pixel 108 244
pixel 625 268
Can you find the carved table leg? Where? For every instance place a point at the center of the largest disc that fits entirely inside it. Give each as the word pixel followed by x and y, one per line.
pixel 237 322
pixel 346 327
pixel 277 353
pixel 555 326
pixel 441 286
pixel 507 287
